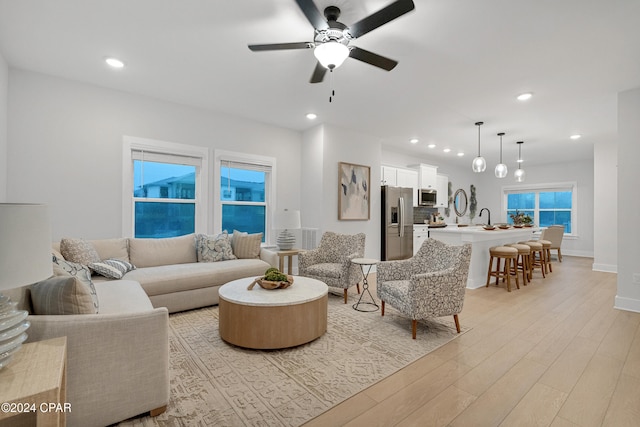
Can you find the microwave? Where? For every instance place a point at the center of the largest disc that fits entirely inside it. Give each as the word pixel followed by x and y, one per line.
pixel 427 197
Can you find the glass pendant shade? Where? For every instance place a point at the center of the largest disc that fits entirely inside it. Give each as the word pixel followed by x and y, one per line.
pixel 331 54
pixel 501 169
pixel 479 164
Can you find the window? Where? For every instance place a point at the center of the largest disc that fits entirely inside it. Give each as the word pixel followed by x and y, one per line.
pixel 162 188
pixel 244 187
pixel 547 204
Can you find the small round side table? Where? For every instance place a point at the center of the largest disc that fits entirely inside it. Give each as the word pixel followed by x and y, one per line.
pixel 362 262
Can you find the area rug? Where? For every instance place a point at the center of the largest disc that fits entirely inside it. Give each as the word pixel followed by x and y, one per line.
pixel 217 384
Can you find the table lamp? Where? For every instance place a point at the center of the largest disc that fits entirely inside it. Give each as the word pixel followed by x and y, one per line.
pixel 25 258
pixel 285 221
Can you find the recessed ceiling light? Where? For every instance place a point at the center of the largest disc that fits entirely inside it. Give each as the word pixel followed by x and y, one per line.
pixel 575 136
pixel 460 154
pixel 446 150
pixel 311 116
pixel 431 145
pixel 413 140
pixel 525 96
pixel 114 62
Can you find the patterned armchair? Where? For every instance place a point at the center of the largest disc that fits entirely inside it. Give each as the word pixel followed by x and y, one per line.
pixel 331 263
pixel 431 284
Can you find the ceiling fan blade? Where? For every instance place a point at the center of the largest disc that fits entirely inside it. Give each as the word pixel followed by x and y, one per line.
pixel 315 17
pixel 318 74
pixel 372 58
pixel 381 17
pixel 281 46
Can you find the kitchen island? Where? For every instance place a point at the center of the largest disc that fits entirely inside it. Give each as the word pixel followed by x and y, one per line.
pixel 481 240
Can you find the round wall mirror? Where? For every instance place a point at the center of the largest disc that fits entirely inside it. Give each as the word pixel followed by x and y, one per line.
pixel 460 202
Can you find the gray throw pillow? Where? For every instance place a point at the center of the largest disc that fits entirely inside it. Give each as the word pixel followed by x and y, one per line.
pixel 63 295
pixel 112 268
pixel 214 248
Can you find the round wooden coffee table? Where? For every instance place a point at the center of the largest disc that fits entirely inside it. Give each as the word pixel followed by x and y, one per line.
pixel 270 319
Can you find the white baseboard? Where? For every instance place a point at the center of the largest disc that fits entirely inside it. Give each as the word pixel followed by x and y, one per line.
pixel 569 252
pixel 606 268
pixel 627 304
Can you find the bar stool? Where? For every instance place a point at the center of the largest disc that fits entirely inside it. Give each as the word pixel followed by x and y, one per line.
pixel 536 262
pixel 523 261
pixel 546 250
pixel 509 255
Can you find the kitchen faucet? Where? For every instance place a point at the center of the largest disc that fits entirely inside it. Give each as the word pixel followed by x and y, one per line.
pixel 488 212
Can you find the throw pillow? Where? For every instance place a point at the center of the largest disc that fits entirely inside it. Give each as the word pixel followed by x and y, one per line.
pixel 214 248
pixel 79 271
pixel 246 245
pixel 63 295
pixel 112 268
pixel 78 250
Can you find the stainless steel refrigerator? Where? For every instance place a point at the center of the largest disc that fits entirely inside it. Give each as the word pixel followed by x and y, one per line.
pixel 397 223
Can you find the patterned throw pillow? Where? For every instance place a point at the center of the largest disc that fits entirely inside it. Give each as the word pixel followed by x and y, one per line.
pixel 246 245
pixel 214 248
pixel 112 268
pixel 79 250
pixel 79 271
pixel 63 295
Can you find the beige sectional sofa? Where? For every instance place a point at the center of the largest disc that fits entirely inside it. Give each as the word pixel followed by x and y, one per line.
pixel 118 359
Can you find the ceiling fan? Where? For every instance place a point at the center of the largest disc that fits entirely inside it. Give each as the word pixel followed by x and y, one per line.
pixel 331 40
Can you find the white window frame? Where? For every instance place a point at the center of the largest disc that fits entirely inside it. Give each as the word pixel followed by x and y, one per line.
pixel 221 156
pixel 156 148
pixel 538 188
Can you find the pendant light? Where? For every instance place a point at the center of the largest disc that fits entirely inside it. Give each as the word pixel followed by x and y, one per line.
pixel 501 168
pixel 479 164
pixel 519 173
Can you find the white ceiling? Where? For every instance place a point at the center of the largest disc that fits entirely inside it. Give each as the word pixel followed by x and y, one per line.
pixel 460 61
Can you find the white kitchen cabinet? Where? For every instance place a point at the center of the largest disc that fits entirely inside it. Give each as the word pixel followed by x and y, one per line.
pixel 428 176
pixel 420 234
pixel 409 179
pixel 388 176
pixel 442 188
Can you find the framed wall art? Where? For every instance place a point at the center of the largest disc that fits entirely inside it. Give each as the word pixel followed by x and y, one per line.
pixel 354 191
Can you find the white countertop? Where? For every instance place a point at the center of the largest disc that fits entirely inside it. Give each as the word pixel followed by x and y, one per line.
pixel 302 290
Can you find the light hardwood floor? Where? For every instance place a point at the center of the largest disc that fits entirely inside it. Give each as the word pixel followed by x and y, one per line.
pixel 553 353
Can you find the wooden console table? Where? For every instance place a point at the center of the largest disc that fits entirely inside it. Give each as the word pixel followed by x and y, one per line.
pixel 288 254
pixel 35 381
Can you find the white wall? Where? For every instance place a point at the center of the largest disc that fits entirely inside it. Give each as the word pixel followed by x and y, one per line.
pixel 605 212
pixel 65 147
pixel 628 296
pixel 325 148
pixel 4 95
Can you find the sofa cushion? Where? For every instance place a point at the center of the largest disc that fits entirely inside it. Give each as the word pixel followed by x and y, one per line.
pixel 64 295
pixel 155 252
pixel 245 245
pixel 122 296
pixel 214 248
pixel 112 248
pixel 78 250
pixel 327 269
pixel 112 268
pixel 166 279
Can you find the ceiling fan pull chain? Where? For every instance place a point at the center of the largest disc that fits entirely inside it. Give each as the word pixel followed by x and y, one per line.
pixel 333 92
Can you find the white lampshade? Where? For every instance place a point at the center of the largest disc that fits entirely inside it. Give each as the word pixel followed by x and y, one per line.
pixel 25 258
pixel 331 54
pixel 287 220
pixel 25 244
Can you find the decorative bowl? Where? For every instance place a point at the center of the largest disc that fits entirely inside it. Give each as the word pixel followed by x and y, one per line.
pixel 488 227
pixel 269 285
pixel 503 227
pixel 517 226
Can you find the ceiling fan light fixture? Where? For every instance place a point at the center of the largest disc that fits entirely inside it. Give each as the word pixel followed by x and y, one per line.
pixel 331 54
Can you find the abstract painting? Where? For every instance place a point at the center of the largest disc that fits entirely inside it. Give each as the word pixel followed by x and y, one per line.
pixel 354 191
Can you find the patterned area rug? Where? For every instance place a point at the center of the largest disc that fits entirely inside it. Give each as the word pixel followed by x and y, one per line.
pixel 217 384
